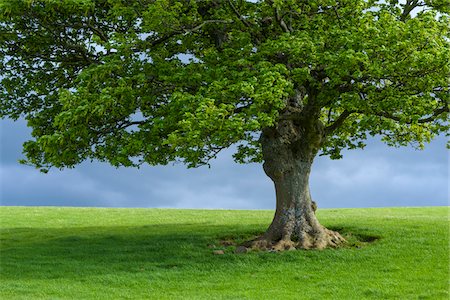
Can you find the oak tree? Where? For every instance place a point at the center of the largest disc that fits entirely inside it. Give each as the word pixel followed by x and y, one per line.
pixel 156 81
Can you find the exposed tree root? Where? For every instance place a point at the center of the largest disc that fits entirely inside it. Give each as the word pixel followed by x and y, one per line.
pixel 322 239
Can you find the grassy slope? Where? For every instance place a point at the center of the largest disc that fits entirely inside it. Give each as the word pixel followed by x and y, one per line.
pixel 84 253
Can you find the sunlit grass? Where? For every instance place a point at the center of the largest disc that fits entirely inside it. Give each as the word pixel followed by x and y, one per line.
pixel 89 253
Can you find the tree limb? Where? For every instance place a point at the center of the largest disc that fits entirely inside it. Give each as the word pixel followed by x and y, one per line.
pixel 431 118
pixel 435 114
pixel 281 21
pixel 122 125
pixel 339 121
pixel 184 31
pixel 238 14
pixel 346 113
pixel 407 8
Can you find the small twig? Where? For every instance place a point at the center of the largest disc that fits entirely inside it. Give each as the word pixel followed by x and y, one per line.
pixel 185 31
pixel 238 14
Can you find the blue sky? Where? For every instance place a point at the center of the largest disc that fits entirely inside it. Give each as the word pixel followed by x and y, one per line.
pixel 374 177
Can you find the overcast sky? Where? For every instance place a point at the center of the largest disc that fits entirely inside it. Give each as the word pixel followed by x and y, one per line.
pixel 374 177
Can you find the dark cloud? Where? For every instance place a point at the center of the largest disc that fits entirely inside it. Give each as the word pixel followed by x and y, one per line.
pixel 376 176
pixel 381 176
pixel 12 136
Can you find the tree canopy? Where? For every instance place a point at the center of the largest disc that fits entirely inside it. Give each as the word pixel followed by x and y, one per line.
pixel 132 82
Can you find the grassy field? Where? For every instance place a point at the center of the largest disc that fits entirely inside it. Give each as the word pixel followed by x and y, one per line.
pixel 91 253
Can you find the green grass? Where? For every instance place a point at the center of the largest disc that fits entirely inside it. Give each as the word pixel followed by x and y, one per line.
pixel 91 253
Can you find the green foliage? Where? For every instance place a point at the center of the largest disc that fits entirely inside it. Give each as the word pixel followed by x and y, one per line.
pixel 157 81
pixel 91 253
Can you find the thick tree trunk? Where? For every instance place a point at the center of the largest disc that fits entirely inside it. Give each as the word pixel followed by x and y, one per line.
pixel 288 152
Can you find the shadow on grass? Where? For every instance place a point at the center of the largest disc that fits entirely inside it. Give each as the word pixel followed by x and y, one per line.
pixel 356 237
pixel 45 253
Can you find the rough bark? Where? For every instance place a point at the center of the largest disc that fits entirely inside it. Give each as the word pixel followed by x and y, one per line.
pixel 288 151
